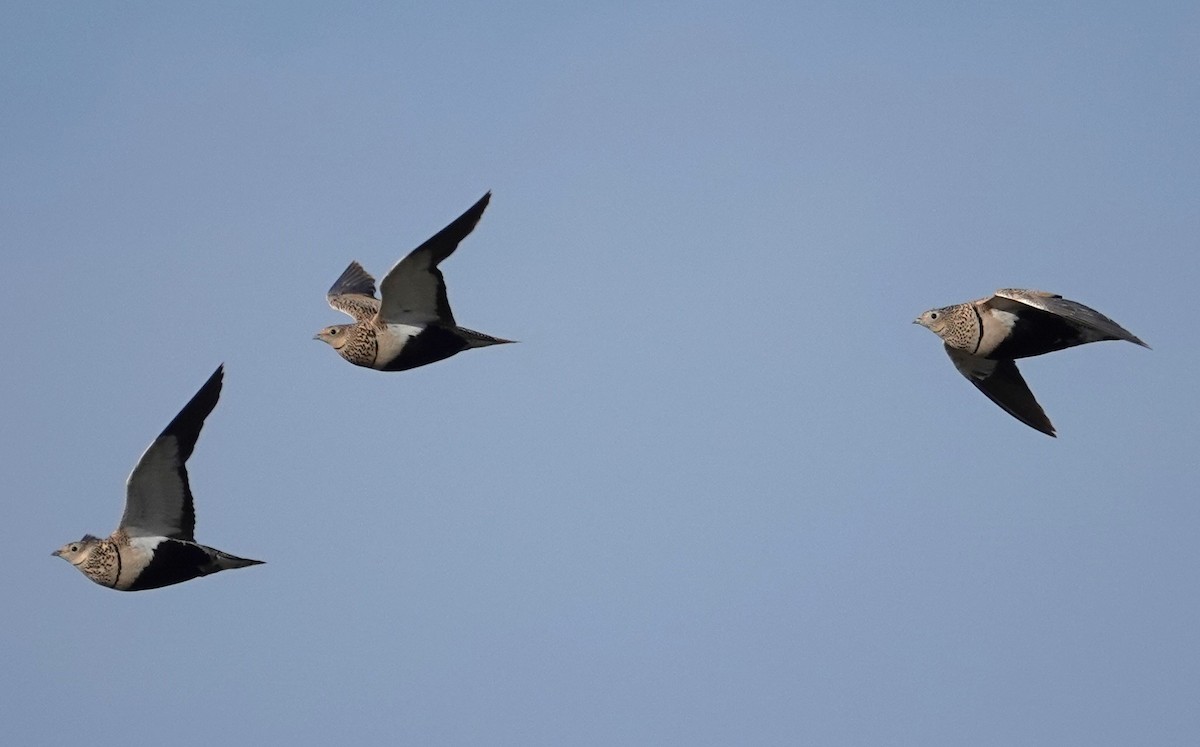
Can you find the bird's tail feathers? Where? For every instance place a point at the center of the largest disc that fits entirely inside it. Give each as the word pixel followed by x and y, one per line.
pixel 478 339
pixel 225 561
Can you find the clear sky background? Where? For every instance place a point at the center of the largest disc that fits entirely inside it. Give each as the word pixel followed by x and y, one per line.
pixel 723 492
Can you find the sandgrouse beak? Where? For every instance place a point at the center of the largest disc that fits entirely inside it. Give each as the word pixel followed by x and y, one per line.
pixel 56 553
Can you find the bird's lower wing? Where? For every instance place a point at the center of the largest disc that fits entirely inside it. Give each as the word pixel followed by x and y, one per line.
pixel 1003 384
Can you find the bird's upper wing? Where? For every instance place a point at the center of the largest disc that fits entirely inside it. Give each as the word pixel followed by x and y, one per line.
pixel 158 499
pixel 1080 316
pixel 1002 383
pixel 353 293
pixel 414 292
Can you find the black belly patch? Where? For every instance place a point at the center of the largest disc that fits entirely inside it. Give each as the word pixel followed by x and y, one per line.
pixel 434 343
pixel 1036 333
pixel 173 562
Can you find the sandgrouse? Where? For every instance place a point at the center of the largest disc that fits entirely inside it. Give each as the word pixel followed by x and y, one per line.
pixel 411 324
pixel 984 337
pixel 154 544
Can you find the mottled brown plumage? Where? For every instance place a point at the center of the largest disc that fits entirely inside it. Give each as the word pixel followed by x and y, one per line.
pixel 102 563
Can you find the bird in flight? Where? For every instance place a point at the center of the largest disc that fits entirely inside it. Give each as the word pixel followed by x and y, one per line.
pixel 154 544
pixel 984 338
pixel 411 323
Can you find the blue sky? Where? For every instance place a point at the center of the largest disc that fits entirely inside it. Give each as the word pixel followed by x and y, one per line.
pixel 723 492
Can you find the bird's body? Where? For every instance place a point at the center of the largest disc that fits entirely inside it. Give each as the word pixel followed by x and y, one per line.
pixel 985 336
pixel 154 544
pixel 411 324
pixel 136 564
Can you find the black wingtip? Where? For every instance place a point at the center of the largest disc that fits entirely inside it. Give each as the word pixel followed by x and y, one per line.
pixel 480 205
pixel 443 243
pixel 1042 426
pixel 187 424
pixel 216 380
pixel 463 225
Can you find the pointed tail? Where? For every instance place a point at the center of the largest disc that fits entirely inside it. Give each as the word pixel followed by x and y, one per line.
pixel 478 339
pixel 224 561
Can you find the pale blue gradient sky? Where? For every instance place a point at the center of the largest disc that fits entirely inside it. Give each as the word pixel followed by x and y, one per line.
pixel 723 492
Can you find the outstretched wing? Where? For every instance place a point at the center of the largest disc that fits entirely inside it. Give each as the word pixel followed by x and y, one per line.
pixel 414 292
pixel 1003 384
pixel 158 499
pixel 1092 325
pixel 353 293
